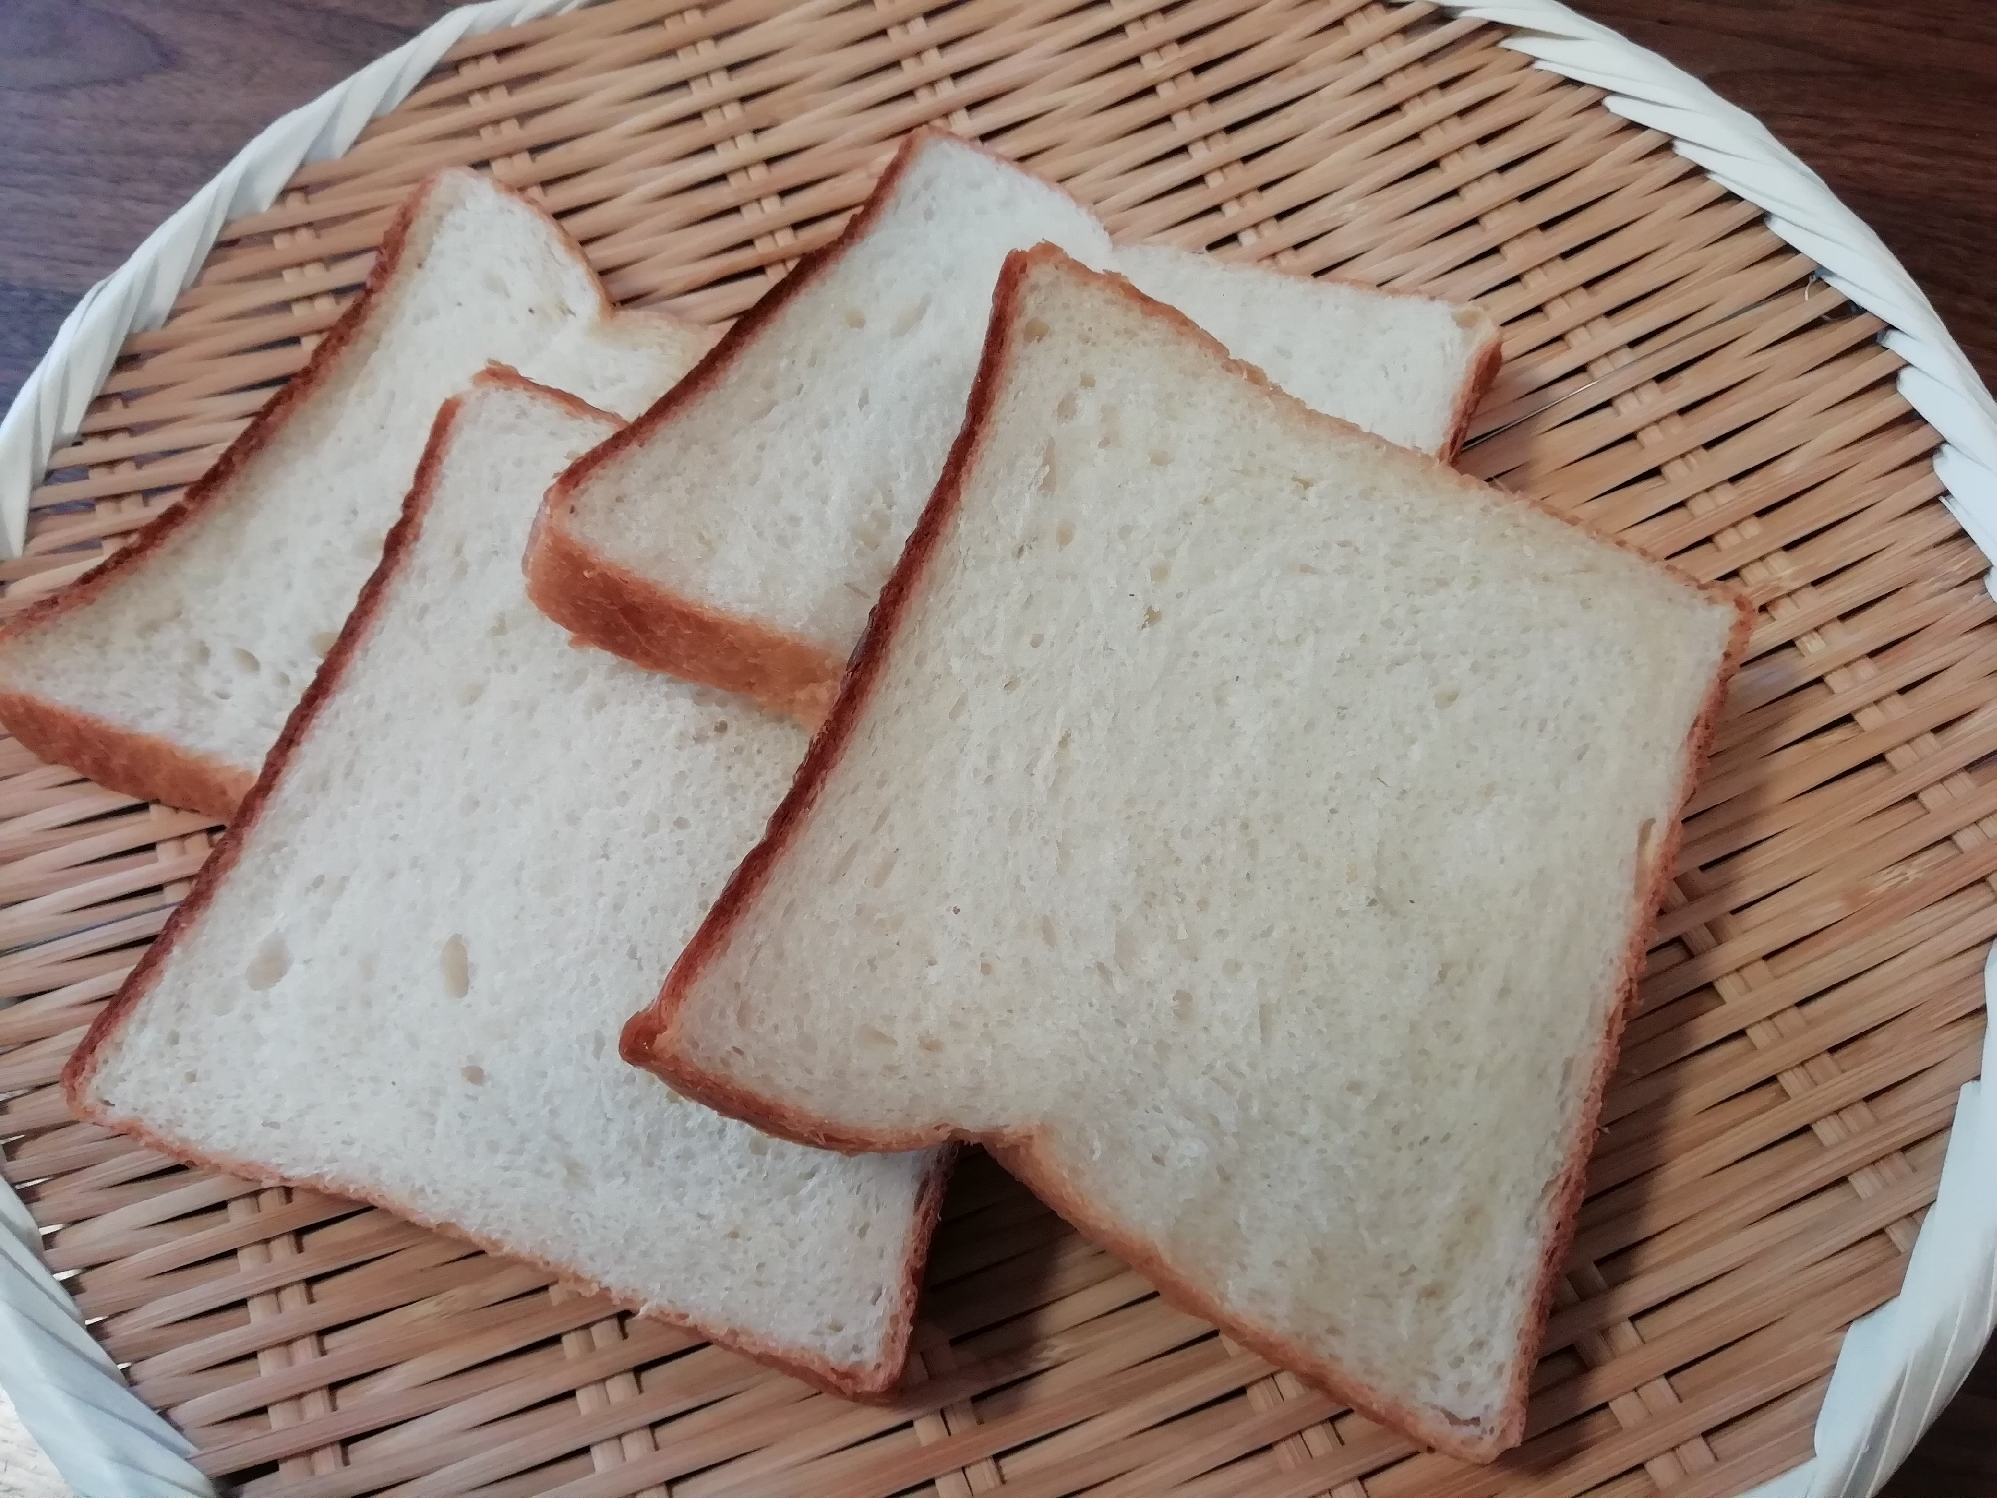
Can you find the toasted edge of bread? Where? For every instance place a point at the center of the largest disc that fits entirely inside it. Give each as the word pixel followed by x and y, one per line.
pixel 612 608
pixel 79 1072
pixel 648 1038
pixel 1490 357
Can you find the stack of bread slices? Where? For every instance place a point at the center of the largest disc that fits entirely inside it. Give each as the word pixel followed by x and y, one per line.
pixel 1037 691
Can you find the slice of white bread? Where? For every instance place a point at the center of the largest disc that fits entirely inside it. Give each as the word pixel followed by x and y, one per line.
pixel 472 853
pixel 168 672
pixel 739 532
pixel 1248 828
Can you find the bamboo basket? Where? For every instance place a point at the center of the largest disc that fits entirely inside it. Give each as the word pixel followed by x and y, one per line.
pixel 1675 373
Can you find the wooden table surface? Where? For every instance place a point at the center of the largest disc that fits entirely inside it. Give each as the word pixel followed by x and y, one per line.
pixel 113 111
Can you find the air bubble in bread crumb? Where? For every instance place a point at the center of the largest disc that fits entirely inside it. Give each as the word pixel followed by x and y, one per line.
pixel 270 963
pixel 1112 427
pixel 911 315
pixel 473 1074
pixel 246 660
pixel 455 964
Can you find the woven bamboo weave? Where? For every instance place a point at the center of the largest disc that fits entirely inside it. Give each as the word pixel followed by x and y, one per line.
pixel 1674 374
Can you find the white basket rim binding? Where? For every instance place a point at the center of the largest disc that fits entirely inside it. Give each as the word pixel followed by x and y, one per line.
pixel 1898 1367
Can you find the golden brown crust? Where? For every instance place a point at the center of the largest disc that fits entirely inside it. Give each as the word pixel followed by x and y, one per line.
pixel 614 609
pixel 649 1037
pixel 78 1073
pixel 1490 354
pixel 123 759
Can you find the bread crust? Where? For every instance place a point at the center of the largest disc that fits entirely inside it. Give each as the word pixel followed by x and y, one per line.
pixel 78 1073
pixel 123 759
pixel 614 609
pixel 1490 355
pixel 649 1037
pixel 147 765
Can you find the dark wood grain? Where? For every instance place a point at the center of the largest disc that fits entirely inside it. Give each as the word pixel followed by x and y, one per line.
pixel 1891 101
pixel 113 111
